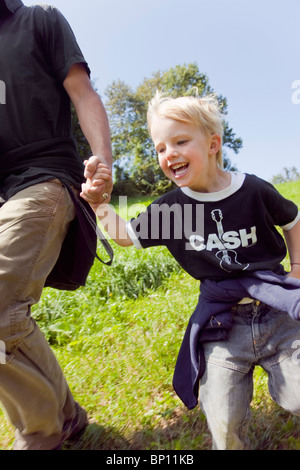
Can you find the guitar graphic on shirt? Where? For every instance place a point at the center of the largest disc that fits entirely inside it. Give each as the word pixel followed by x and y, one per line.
pixel 227 257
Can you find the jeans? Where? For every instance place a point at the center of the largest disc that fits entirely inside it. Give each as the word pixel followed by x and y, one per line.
pixel 260 336
pixel 33 390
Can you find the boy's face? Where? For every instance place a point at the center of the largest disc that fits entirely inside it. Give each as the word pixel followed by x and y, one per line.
pixel 185 153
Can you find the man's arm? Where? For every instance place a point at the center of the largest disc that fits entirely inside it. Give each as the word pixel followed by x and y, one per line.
pixel 92 118
pixel 292 238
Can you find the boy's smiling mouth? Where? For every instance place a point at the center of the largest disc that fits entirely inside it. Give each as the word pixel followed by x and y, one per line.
pixel 179 169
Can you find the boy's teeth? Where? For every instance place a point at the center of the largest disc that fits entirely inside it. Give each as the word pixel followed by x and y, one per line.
pixel 179 165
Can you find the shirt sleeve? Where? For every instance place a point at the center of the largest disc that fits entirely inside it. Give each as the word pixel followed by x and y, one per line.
pixel 58 41
pixel 160 224
pixel 289 226
pixel 132 235
pixel 284 212
pixel 145 230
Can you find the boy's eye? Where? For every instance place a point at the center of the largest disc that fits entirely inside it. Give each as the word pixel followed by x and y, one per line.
pixel 182 142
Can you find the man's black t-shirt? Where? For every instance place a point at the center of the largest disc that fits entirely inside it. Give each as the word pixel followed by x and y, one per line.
pixel 219 235
pixel 37 49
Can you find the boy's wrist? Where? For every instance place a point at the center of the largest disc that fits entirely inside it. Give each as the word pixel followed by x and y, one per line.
pixel 295 270
pixel 101 210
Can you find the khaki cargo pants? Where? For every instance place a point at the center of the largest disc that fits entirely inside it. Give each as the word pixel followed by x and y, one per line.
pixel 33 391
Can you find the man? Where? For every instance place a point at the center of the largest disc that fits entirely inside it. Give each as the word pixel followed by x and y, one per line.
pixel 42 68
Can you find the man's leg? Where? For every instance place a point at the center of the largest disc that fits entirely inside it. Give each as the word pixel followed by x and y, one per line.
pixel 33 390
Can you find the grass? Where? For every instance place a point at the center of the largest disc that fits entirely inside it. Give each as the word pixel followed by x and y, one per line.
pixel 117 341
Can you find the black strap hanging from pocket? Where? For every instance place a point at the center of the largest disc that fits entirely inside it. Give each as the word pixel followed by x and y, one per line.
pixel 86 214
pixel 79 248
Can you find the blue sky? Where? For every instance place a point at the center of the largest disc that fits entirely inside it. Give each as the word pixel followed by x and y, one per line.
pixel 248 49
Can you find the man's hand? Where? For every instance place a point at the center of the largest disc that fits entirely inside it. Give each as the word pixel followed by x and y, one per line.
pixel 98 186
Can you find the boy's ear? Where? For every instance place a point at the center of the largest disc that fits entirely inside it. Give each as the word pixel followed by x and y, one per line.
pixel 215 144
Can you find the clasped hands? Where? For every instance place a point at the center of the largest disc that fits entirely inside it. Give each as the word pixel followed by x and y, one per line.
pixel 98 186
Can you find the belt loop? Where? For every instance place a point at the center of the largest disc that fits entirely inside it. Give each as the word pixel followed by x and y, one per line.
pixel 256 304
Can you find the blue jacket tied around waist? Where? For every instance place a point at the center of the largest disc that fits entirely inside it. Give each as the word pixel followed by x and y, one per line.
pixel 212 320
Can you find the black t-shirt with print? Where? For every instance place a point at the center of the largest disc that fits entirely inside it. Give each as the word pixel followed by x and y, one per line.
pixel 219 235
pixel 37 49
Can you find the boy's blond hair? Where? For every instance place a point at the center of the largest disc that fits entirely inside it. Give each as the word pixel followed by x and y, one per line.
pixel 201 111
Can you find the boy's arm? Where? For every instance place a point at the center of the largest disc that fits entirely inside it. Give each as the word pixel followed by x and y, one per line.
pixel 292 238
pixel 97 173
pixel 113 224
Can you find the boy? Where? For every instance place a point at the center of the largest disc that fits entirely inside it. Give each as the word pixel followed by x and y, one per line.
pixel 221 230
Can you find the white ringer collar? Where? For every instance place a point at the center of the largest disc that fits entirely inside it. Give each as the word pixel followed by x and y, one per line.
pixel 237 180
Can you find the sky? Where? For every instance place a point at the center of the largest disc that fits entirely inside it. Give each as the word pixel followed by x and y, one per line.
pixel 249 51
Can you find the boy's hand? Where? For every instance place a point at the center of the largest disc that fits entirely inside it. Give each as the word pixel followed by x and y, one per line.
pixel 295 272
pixel 98 186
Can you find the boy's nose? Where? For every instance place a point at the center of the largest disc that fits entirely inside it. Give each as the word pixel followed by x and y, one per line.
pixel 172 153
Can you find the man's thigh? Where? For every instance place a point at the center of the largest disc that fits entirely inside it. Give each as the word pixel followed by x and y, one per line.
pixel 33 224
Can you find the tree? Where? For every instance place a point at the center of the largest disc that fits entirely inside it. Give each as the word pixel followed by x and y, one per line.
pixel 133 150
pixel 287 175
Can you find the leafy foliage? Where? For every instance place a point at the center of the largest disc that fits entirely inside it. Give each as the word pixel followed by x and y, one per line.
pixel 287 175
